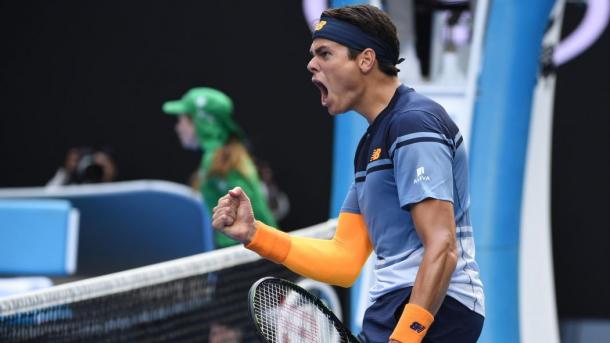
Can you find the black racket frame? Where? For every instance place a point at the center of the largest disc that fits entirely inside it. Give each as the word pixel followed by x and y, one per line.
pixel 315 300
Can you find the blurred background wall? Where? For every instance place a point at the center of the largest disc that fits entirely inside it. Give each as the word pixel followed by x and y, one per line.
pixel 78 73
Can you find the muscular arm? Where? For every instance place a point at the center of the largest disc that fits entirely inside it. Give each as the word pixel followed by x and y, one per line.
pixel 337 261
pixel 435 224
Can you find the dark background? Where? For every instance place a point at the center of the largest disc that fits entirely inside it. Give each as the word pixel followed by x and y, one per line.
pixel 78 73
pixel 581 179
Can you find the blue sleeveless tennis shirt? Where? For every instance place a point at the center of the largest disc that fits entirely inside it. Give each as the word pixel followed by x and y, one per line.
pixel 411 152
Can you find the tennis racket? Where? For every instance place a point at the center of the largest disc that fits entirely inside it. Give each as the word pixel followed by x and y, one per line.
pixel 283 312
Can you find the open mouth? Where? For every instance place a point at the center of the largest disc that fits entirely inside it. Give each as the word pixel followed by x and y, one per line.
pixel 323 91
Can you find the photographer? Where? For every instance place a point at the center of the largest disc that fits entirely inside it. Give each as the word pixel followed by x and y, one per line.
pixel 85 165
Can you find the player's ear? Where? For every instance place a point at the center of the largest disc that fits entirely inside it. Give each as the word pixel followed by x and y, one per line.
pixel 366 60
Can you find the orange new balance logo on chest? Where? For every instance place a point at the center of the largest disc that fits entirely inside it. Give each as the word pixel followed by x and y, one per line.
pixel 375 155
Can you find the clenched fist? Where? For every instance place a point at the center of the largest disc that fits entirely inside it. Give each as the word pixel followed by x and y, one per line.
pixel 233 216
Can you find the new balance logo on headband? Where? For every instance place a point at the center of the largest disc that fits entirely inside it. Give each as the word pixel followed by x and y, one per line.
pixel 320 25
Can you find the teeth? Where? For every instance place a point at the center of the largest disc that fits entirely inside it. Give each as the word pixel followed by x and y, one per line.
pixel 323 91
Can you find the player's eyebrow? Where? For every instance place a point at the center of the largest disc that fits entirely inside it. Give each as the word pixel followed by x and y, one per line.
pixel 318 50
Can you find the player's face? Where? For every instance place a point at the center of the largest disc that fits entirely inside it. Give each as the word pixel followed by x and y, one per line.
pixel 186 132
pixel 338 78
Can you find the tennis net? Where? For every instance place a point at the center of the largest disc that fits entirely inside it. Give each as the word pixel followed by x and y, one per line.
pixel 201 298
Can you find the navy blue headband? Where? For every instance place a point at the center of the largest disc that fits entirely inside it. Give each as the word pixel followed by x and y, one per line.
pixel 353 37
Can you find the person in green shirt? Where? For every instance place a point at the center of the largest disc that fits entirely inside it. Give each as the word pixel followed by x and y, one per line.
pixel 205 122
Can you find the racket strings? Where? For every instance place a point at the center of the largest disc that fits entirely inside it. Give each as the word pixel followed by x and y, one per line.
pixel 285 315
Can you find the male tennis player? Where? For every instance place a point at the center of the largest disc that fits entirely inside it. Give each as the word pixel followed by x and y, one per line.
pixel 409 200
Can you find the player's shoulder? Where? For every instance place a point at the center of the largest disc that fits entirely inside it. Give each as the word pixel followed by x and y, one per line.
pixel 420 114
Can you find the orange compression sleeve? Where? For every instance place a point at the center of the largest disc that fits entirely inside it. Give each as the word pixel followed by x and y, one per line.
pixel 270 243
pixel 336 261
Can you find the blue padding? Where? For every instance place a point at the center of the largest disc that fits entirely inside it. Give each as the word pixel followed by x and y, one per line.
pixel 131 224
pixel 34 236
pixel 505 307
pixel 499 138
pixel 349 128
pixel 342 3
pixel 125 230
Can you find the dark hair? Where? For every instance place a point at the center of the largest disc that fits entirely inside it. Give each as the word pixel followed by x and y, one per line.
pixel 373 21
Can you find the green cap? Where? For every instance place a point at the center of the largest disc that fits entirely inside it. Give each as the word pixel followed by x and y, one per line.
pixel 201 103
pixel 199 99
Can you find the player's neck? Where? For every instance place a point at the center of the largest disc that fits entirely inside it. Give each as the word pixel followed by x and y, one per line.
pixel 376 96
